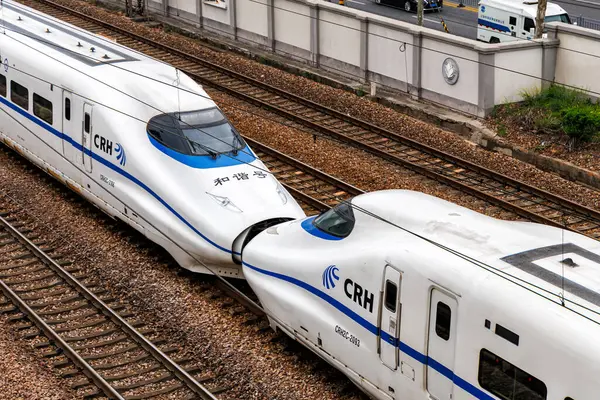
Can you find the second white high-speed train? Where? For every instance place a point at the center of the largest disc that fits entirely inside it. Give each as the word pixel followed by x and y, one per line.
pixel 137 138
pixel 416 298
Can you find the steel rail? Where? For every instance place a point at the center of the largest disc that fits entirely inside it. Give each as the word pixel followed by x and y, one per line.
pixel 317 204
pixel 565 204
pixel 144 343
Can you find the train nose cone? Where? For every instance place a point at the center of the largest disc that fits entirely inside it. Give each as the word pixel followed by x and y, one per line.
pixel 251 208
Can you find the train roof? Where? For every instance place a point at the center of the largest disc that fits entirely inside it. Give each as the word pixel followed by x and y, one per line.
pixel 541 258
pixel 100 60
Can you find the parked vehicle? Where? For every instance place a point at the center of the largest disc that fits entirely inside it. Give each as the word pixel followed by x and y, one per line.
pixel 507 21
pixel 411 5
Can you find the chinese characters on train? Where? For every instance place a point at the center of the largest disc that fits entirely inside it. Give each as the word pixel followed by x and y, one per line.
pixel 241 176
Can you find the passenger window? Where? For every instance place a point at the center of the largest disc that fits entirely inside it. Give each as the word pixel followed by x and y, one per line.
pixel 2 86
pixel 391 295
pixel 42 108
pixel 19 95
pixel 442 320
pixel 528 25
pixel 512 21
pixel 86 123
pixel 68 109
pixel 506 381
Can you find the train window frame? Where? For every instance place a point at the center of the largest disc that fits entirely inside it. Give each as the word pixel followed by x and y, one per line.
pixel 387 298
pixel 18 98
pixel 342 213
pixel 3 85
pixel 67 109
pixel 442 329
pixel 87 122
pixel 193 133
pixel 41 107
pixel 520 379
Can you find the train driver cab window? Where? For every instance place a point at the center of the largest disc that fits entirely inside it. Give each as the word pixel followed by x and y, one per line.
pixel 196 133
pixel 87 123
pixel 339 221
pixel 391 296
pixel 512 21
pixel 42 108
pixel 2 85
pixel 443 317
pixel 68 109
pixel 19 95
pixel 507 381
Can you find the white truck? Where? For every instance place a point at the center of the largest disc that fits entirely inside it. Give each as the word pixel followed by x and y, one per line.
pixel 510 20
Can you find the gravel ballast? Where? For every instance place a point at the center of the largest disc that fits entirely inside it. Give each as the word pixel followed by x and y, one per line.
pixel 351 104
pixel 22 375
pixel 220 341
pixel 174 304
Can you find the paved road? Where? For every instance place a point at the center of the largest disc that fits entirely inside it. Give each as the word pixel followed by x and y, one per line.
pixel 463 21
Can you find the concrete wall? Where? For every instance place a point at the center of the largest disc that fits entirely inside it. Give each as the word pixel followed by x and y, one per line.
pixel 252 23
pixel 515 71
pixel 292 26
pixel 394 55
pixel 577 57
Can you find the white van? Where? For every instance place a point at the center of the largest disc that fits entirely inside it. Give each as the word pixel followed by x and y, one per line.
pixel 509 20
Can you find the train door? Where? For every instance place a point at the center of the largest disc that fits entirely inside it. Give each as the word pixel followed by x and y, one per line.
pixel 69 126
pixel 389 317
pixel 442 342
pixel 86 137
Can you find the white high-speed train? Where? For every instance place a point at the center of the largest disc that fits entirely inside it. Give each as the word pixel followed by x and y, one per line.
pixel 455 305
pixel 135 137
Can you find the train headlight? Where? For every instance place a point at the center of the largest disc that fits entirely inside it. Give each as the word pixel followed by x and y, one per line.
pixel 225 202
pixel 282 193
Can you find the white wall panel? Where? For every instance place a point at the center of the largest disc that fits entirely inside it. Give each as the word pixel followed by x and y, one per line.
pixel 292 23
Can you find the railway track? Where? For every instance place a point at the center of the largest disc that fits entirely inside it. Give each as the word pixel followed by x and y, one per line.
pixel 518 197
pixel 50 309
pixel 315 190
pixel 94 340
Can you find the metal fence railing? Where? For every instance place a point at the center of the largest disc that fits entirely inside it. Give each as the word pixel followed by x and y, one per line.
pixel 587 22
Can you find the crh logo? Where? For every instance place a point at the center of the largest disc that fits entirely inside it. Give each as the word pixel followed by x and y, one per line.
pixel 106 145
pixel 329 276
pixel 121 156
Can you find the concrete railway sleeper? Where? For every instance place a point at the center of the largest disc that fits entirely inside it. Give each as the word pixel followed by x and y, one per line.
pixel 93 338
pixel 518 197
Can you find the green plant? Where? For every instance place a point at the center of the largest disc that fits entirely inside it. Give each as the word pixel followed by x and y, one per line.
pixel 501 129
pixel 548 122
pixel 554 98
pixel 581 123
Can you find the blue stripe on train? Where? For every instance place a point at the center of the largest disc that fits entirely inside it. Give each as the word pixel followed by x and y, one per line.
pixel 405 348
pixel 493 25
pixel 310 227
pixel 112 166
pixel 205 162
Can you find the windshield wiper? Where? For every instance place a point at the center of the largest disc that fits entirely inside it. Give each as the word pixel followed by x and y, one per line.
pixel 210 151
pixel 237 139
